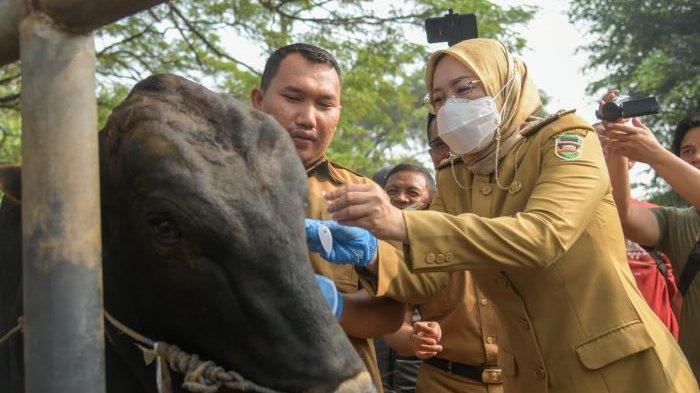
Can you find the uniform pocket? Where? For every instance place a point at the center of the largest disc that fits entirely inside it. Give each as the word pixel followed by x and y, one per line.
pixel 614 345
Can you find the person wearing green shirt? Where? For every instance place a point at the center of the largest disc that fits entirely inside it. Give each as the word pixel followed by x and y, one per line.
pixel 673 230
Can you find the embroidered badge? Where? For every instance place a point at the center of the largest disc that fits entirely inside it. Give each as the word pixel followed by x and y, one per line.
pixel 568 146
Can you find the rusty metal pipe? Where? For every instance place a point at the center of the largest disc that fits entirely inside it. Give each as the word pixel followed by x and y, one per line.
pixel 63 341
pixel 78 16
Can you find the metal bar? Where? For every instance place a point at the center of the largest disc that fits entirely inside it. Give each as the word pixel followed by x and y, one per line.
pixel 82 16
pixel 64 339
pixel 10 15
pixel 78 16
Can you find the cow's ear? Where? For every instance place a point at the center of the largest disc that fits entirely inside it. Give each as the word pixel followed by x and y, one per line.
pixel 11 181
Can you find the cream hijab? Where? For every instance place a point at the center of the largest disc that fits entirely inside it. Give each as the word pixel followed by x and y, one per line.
pixel 494 66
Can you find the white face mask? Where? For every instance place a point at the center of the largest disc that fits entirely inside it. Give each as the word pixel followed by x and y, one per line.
pixel 467 126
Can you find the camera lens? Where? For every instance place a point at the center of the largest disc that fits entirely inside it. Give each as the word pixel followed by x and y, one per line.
pixel 610 111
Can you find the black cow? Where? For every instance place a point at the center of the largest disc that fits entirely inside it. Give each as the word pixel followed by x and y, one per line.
pixel 203 246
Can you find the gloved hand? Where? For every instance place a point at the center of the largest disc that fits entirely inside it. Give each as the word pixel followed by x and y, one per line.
pixel 331 294
pixel 351 245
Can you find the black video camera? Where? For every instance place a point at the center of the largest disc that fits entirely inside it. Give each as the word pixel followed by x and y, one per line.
pixel 452 28
pixel 624 107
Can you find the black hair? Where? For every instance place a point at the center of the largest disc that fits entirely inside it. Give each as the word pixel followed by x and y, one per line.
pixel 429 122
pixel 416 169
pixel 311 53
pixel 381 175
pixel 681 129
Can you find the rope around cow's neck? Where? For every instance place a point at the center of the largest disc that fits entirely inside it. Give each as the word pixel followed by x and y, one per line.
pixel 18 328
pixel 200 376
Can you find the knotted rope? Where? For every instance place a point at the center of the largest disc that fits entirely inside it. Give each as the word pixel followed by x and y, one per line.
pixel 201 376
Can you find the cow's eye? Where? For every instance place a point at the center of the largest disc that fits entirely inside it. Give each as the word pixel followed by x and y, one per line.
pixel 165 230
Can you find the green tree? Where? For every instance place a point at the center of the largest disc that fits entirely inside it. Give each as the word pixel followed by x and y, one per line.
pixel 646 47
pixel 383 87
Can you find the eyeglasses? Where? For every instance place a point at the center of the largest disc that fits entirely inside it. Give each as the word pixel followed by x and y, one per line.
pixel 462 89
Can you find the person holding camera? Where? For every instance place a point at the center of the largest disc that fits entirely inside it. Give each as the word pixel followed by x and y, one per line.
pixel 527 209
pixel 671 230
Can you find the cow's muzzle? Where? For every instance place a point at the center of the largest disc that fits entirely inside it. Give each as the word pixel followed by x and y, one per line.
pixel 360 383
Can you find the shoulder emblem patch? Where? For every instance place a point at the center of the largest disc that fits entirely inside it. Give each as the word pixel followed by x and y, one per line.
pixel 568 146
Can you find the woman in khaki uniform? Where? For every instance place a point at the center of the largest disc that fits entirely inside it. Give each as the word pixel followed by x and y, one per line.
pixel 531 215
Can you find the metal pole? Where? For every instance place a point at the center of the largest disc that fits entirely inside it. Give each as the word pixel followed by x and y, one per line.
pixel 77 16
pixel 63 341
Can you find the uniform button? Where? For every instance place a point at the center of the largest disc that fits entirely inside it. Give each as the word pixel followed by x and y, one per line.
pixel 449 257
pixel 485 190
pixel 515 187
pixel 525 323
pixel 440 258
pixel 484 302
pixel 540 373
pixel 430 258
pixel 490 340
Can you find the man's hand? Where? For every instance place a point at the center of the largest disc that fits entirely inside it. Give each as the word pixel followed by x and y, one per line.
pixel 633 140
pixel 331 294
pixel 425 339
pixel 367 206
pixel 351 245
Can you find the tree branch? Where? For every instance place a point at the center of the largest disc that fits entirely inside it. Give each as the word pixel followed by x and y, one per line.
pixel 187 41
pixel 9 79
pixel 128 39
pixel 338 20
pixel 8 99
pixel 208 43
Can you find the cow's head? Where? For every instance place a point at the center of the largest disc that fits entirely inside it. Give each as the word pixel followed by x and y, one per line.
pixel 203 207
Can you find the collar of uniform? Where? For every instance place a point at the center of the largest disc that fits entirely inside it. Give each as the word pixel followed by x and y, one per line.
pixel 325 169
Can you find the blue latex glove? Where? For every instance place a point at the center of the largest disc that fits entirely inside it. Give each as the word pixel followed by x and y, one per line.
pixel 351 245
pixel 331 294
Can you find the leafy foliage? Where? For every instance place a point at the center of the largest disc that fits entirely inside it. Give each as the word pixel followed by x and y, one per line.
pixel 204 40
pixel 646 47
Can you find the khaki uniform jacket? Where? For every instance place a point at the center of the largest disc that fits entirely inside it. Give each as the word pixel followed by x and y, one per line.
pixel 326 176
pixel 468 322
pixel 549 252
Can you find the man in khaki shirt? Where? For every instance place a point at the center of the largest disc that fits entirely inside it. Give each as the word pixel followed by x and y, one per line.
pixel 300 88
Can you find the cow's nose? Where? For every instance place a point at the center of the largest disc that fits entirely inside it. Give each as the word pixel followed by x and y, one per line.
pixel 361 382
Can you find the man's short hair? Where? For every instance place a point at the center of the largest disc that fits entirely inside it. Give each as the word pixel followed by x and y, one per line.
pixel 681 129
pixel 381 175
pixel 312 53
pixel 416 169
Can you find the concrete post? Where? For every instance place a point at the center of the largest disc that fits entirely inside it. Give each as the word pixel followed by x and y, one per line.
pixel 64 339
